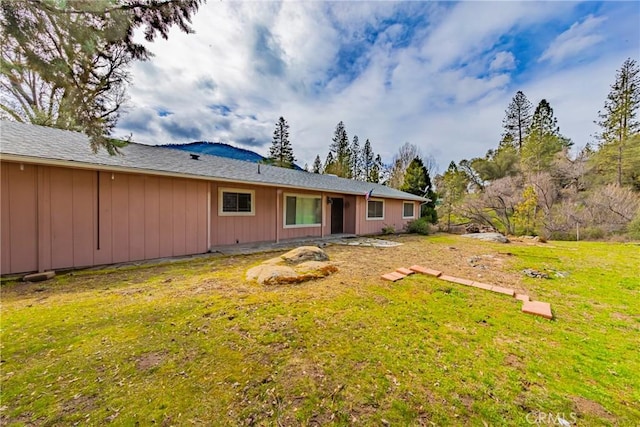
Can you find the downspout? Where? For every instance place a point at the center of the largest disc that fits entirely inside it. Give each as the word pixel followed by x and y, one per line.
pixel 278 193
pixel 208 217
pixel 323 214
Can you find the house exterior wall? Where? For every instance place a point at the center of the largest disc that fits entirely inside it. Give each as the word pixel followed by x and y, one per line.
pixel 259 227
pixel 392 216
pixel 54 217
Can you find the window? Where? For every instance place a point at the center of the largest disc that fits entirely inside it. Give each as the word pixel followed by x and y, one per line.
pixel 302 211
pixel 408 210
pixel 235 202
pixel 375 209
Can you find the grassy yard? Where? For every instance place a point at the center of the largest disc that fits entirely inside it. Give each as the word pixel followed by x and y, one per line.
pixel 194 343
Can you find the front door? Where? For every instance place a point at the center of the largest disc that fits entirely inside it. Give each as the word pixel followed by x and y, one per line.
pixel 337 212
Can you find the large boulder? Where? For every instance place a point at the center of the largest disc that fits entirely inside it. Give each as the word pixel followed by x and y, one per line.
pixel 296 266
pixel 305 253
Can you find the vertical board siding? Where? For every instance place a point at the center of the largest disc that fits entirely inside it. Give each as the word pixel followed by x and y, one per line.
pixel 61 218
pixel 83 231
pixel 137 229
pixel 151 218
pixel 19 214
pixel 392 217
pixel 120 217
pixel 229 230
pixel 166 218
pixel 103 254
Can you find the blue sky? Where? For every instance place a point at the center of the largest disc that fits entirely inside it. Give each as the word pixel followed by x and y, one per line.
pixel 436 74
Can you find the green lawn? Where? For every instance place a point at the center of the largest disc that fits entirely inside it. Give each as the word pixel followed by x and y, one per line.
pixel 193 343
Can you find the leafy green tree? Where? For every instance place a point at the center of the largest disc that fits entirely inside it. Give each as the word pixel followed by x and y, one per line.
pixel 65 63
pixel 452 187
pixel 525 212
pixel 497 164
pixel 544 140
pixel 317 165
pixel 517 120
pixel 281 152
pixel 620 126
pixel 417 181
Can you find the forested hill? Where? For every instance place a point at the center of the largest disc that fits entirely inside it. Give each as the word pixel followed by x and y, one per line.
pixel 219 149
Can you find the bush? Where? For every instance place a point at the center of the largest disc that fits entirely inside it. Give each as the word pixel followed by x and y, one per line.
pixel 418 226
pixel 388 229
pixel 633 228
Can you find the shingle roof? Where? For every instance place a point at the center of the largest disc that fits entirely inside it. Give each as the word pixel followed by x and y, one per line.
pixel 33 143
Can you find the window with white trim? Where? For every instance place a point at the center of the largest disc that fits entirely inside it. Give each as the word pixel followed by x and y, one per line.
pixel 375 209
pixel 302 210
pixel 408 210
pixel 236 202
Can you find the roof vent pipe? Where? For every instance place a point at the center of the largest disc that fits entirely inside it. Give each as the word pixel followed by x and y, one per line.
pixel 258 167
pixel 195 157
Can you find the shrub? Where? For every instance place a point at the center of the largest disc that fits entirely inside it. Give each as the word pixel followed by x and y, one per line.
pixel 388 229
pixel 418 226
pixel 633 228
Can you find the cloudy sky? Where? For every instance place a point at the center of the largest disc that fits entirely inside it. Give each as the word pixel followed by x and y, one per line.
pixel 437 75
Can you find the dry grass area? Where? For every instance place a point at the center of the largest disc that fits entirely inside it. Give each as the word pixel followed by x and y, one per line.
pixel 194 343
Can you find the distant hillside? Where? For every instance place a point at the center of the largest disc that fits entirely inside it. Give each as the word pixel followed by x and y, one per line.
pixel 221 150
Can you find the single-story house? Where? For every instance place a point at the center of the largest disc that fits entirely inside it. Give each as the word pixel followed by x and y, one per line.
pixel 64 206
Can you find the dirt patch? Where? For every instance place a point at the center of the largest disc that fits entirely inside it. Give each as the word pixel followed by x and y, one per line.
pixel 589 407
pixel 150 360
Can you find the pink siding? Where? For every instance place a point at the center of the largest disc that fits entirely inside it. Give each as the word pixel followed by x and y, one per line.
pixel 19 226
pixel 54 217
pixel 152 218
pixel 229 230
pixel 137 218
pixel 392 217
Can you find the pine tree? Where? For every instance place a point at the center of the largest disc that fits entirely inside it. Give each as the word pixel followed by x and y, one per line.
pixel 317 165
pixel 417 181
pixel 543 141
pixel 281 152
pixel 367 161
pixel 65 63
pixel 619 121
pixel 329 165
pixel 339 147
pixel 376 170
pixel 517 120
pixel 356 159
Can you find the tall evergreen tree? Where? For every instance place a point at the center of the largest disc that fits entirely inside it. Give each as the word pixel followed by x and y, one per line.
pixel 376 170
pixel 544 140
pixel 317 165
pixel 329 164
pixel 400 162
pixel 368 158
pixel 356 159
pixel 619 122
pixel 65 63
pixel 281 152
pixel 452 186
pixel 517 119
pixel 417 181
pixel 341 165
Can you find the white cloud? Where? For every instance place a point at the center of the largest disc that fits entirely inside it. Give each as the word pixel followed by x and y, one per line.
pixel 503 61
pixel 581 36
pixel 441 82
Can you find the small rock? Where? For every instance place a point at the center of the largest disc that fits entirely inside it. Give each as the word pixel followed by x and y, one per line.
pixel 535 274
